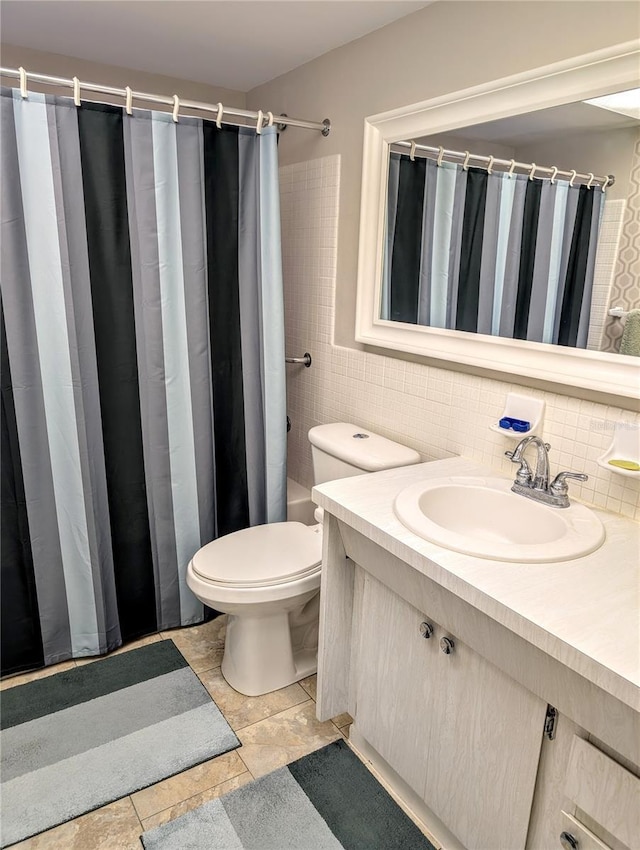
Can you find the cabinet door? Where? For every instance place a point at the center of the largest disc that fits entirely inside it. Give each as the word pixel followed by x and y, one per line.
pixel 464 735
pixel 394 681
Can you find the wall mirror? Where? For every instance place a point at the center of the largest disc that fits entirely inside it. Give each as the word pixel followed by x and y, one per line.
pixel 502 119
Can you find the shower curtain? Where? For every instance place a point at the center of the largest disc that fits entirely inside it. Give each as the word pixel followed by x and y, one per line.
pixel 489 253
pixel 143 394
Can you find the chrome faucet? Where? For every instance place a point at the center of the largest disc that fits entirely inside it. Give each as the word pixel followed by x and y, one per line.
pixel 536 485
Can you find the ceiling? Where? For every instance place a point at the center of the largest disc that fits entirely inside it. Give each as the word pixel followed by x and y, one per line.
pixel 548 123
pixel 237 44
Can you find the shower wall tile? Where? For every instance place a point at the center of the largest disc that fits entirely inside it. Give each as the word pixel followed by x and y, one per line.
pixel 436 411
pixel 625 291
pixel 604 272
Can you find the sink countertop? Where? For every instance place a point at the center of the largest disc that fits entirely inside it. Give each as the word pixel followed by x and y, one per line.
pixel 584 612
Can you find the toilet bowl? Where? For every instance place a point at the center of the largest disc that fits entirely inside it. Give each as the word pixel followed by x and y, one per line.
pixel 267 578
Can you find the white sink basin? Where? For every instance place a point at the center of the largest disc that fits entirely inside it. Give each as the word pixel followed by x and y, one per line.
pixel 482 517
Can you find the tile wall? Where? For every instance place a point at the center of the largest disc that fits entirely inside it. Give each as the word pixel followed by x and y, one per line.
pixel 436 411
pixel 626 287
pixel 613 216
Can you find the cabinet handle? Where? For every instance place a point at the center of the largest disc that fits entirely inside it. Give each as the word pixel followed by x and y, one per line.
pixel 446 645
pixel 426 630
pixel 568 841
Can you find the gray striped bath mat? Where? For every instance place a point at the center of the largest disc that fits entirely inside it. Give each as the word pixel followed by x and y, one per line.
pixel 82 738
pixel 327 800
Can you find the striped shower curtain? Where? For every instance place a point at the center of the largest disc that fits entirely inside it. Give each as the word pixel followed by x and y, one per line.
pixel 488 253
pixel 143 395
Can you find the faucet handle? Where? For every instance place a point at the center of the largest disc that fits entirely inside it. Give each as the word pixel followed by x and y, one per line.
pixel 558 486
pixel 524 475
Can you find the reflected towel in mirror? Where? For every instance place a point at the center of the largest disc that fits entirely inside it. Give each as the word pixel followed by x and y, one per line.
pixel 630 342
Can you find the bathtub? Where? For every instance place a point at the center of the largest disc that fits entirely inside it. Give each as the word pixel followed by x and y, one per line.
pixel 300 508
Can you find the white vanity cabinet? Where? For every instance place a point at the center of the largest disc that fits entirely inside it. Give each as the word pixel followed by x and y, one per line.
pixel 461 736
pixel 461 733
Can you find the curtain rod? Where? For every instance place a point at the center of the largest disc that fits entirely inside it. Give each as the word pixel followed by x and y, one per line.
pixel 262 118
pixel 491 161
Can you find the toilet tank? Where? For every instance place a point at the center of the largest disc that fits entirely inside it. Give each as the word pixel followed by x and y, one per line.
pixel 340 450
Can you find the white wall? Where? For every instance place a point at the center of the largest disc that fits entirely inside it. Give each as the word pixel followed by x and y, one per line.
pixel 445 47
pixel 56 65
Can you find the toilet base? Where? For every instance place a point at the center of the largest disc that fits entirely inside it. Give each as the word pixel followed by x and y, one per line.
pixel 305 663
pixel 259 656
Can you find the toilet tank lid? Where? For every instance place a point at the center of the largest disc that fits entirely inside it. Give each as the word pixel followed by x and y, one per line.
pixel 361 447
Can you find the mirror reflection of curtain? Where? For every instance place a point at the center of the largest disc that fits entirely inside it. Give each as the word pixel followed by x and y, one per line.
pixel 488 253
pixel 143 386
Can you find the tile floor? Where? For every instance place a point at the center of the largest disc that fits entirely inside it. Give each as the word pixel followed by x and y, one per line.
pixel 273 729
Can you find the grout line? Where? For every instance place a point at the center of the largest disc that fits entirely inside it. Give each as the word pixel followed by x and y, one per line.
pixel 244 763
pixel 272 716
pixel 199 674
pixel 191 796
pixel 135 811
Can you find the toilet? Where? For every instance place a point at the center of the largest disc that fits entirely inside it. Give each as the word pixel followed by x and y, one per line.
pixel 267 578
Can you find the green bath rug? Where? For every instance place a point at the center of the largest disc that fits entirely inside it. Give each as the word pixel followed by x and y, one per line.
pixel 82 738
pixel 327 800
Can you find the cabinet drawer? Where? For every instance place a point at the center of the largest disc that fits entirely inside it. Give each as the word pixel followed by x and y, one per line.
pixel 585 838
pixel 604 790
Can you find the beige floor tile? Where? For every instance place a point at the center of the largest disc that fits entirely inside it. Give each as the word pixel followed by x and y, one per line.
pixel 202 646
pixel 240 710
pixel 342 720
pixel 310 684
pixel 197 800
pixel 345 730
pixel 136 644
pixel 283 738
pixel 113 827
pixel 23 678
pixel 184 785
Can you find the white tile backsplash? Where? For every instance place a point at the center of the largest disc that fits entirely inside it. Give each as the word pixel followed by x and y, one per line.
pixel 436 411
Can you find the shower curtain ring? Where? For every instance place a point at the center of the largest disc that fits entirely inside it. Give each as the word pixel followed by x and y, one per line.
pixel 574 174
pixel 128 100
pixel 219 116
pixel 490 166
pixel 412 152
pixel 440 155
pixel 467 157
pixel 176 107
pixel 76 91
pixel 554 171
pixel 533 170
pixel 591 179
pixel 23 82
pixel 511 167
pixel 259 122
pixel 270 117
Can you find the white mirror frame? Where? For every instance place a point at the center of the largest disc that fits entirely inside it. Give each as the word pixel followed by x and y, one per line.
pixel 590 75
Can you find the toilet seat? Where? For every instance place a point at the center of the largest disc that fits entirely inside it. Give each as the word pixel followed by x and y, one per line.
pixel 261 556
